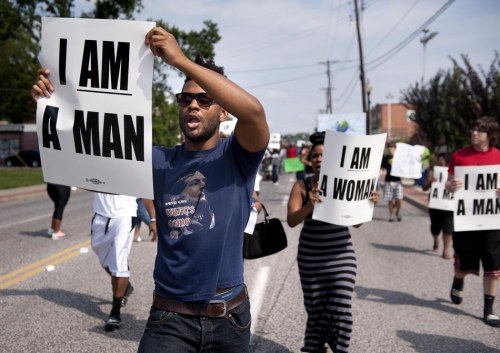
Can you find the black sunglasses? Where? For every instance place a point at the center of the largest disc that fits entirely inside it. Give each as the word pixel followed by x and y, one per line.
pixel 184 99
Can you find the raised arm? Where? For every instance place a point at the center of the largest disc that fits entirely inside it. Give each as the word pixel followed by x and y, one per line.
pixel 251 129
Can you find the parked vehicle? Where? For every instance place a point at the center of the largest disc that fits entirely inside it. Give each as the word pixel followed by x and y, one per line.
pixel 30 158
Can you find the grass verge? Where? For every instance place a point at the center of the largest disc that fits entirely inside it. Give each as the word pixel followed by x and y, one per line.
pixel 22 176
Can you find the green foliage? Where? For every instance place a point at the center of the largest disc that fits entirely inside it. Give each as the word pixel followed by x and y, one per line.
pixel 114 9
pixel 452 100
pixel 18 45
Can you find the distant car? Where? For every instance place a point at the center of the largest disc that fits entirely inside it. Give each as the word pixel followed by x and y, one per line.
pixel 30 158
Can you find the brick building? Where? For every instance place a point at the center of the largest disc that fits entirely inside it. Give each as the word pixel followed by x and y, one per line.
pixel 393 116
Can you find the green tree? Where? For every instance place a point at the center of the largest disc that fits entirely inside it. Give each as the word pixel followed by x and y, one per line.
pixel 114 9
pixel 452 100
pixel 19 45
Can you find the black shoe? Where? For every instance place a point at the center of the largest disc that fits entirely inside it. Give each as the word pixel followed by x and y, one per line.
pixel 112 324
pixel 128 292
pixel 456 296
pixel 456 292
pixel 492 320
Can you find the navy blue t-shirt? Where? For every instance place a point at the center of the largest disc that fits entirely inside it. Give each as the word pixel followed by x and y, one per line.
pixel 202 204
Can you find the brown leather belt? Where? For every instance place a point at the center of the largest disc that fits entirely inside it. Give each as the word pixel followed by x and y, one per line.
pixel 213 308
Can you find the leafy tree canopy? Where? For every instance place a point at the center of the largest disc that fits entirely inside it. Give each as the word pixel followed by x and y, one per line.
pixel 452 100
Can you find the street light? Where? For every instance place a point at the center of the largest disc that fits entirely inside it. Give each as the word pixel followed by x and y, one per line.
pixel 426 37
pixel 389 116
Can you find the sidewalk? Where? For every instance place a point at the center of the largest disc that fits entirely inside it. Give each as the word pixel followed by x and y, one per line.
pixel 22 192
pixel 415 196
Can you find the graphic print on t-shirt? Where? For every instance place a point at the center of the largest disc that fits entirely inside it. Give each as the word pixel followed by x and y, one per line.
pixel 188 210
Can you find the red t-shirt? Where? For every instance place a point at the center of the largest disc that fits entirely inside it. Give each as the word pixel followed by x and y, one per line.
pixel 468 156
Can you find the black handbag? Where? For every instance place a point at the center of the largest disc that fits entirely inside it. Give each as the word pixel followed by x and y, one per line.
pixel 268 238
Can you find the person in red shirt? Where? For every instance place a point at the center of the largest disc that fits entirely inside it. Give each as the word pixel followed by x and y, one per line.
pixel 473 247
pixel 291 151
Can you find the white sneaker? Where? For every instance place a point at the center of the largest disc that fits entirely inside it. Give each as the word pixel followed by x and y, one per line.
pixel 58 235
pixel 137 239
pixel 50 231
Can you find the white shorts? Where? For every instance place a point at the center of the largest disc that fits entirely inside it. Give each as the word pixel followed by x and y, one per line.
pixel 111 241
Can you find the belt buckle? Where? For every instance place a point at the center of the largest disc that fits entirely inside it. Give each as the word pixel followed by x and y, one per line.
pixel 223 302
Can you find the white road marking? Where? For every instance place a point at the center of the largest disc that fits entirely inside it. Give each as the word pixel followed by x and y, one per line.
pixel 25 220
pixel 257 295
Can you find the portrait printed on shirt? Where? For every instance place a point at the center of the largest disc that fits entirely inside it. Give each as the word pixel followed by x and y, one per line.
pixel 188 210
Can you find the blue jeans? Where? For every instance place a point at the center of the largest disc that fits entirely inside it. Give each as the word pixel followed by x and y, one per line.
pixel 142 214
pixel 169 332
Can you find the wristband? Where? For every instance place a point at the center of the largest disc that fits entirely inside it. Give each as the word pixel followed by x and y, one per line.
pixel 153 220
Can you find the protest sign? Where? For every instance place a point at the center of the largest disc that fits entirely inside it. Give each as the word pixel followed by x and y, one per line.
pixel 349 173
pixel 439 197
pixel 476 205
pixel 407 161
pixel 94 132
pixel 293 165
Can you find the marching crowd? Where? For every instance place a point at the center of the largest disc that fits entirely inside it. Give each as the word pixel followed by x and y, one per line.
pixel 200 299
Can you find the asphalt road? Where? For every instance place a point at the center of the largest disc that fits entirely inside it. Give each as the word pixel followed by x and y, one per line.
pixel 401 302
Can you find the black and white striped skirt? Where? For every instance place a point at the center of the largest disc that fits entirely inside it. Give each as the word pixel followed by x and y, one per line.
pixel 327 268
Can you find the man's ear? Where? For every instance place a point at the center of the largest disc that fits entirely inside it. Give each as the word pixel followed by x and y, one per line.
pixel 223 115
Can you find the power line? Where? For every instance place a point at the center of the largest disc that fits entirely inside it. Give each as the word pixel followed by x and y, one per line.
pixel 394 27
pixel 288 80
pixel 383 58
pixel 274 68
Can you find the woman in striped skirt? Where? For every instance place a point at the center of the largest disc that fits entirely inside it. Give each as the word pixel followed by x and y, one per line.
pixel 327 265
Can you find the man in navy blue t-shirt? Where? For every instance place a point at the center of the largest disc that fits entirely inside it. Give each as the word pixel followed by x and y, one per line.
pixel 202 201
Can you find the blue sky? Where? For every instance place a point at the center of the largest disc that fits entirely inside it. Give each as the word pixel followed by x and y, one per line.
pixel 274 48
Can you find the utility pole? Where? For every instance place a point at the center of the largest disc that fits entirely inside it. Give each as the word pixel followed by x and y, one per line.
pixel 329 88
pixel 361 66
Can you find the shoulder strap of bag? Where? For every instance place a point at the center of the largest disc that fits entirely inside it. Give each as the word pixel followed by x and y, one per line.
pixel 266 214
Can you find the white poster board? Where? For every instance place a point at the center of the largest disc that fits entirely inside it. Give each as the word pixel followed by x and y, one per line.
pixel 94 132
pixel 274 141
pixel 476 204
pixel 349 173
pixel 407 161
pixel 439 197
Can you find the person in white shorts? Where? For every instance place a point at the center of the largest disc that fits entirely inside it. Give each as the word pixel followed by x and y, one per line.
pixel 112 236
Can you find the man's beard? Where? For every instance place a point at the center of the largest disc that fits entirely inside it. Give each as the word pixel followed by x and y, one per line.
pixel 207 131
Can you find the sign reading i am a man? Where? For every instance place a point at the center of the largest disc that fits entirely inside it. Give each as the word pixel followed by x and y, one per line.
pixel 439 197
pixel 476 205
pixel 94 132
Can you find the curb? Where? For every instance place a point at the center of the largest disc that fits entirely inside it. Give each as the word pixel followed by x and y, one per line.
pixel 418 204
pixel 416 197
